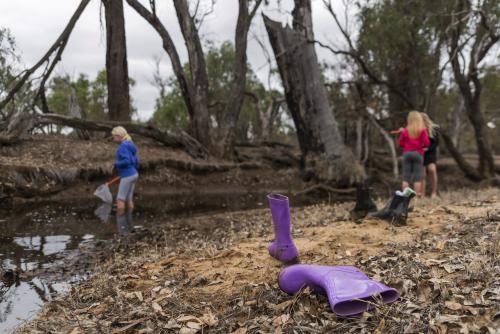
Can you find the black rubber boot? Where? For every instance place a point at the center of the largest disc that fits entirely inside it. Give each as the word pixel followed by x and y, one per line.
pixel 400 212
pixel 396 211
pixel 364 203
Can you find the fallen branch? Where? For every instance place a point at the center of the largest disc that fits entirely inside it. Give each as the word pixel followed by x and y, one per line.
pixel 181 140
pixel 324 187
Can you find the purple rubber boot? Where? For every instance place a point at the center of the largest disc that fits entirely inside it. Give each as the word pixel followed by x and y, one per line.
pixel 282 248
pixel 349 291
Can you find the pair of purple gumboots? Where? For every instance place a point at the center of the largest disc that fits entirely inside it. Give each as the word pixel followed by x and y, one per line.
pixel 349 291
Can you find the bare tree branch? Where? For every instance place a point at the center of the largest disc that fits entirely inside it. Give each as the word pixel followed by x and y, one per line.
pixel 169 47
pixel 58 45
pixel 352 52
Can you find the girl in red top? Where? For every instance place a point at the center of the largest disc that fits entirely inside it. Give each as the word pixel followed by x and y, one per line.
pixel 413 139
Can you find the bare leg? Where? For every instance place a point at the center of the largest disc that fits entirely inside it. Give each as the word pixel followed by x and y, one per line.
pixel 418 188
pixel 434 179
pixel 120 207
pixel 424 179
pixel 130 205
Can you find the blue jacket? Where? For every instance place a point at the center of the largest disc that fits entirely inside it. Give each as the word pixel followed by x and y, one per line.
pixel 126 162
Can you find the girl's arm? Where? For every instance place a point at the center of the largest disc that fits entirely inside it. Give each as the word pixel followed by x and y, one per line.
pixel 402 139
pixel 122 158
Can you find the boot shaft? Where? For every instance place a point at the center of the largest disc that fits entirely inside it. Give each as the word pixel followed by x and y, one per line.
pixel 280 211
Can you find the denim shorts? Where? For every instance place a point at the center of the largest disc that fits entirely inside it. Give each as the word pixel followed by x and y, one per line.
pixel 126 188
pixel 413 162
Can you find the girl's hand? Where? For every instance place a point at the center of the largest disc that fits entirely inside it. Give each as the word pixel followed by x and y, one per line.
pixel 398 131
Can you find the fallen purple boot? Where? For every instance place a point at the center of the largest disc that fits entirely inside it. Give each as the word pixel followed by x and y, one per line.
pixel 349 291
pixel 282 248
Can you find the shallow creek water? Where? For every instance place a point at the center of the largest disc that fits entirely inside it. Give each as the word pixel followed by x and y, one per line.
pixel 41 247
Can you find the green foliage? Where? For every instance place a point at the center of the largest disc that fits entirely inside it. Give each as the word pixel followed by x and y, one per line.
pixel 170 110
pixel 91 95
pixel 171 113
pixel 401 42
pixel 9 64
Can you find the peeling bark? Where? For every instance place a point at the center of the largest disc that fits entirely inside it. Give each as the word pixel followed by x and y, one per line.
pixel 320 141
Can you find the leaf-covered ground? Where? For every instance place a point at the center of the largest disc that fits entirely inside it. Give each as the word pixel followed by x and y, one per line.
pixel 212 274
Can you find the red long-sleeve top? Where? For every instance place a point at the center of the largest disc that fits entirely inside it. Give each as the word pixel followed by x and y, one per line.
pixel 414 144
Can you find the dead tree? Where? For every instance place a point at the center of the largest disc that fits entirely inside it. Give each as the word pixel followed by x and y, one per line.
pixel 485 34
pixel 267 115
pixel 194 83
pixel 57 47
pixel 17 125
pixel 320 141
pixel 20 121
pixel 116 62
pixel 76 111
pixel 233 106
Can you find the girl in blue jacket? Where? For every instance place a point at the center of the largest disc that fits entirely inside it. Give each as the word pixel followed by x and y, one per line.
pixel 126 167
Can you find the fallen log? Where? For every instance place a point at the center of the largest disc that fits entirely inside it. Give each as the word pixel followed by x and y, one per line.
pixel 179 140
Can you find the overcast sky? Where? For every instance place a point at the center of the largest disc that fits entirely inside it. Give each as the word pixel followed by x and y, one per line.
pixel 36 24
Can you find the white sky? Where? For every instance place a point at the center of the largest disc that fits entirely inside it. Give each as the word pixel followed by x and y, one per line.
pixel 36 24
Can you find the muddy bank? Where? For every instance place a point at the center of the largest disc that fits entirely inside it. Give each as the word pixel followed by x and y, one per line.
pixel 212 273
pixel 51 168
pixel 56 169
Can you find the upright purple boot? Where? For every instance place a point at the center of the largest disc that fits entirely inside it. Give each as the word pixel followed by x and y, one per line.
pixel 349 291
pixel 282 248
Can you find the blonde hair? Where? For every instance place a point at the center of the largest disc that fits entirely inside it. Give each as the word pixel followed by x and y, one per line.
pixel 415 124
pixel 430 126
pixel 122 132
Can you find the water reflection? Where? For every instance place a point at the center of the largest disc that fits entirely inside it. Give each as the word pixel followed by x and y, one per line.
pixel 33 250
pixel 103 212
pixel 124 223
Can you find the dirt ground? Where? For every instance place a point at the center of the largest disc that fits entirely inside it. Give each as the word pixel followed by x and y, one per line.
pixel 212 274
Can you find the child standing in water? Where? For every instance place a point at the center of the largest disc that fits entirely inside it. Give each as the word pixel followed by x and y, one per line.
pixel 430 156
pixel 413 139
pixel 126 166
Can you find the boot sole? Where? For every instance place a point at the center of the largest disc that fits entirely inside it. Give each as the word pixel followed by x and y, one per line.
pixel 293 261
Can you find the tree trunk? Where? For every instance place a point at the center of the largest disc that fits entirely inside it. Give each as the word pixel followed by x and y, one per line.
pixel 359 138
pixel 390 143
pixel 472 107
pixel 198 71
pixel 320 140
pixel 486 161
pixel 466 168
pixel 116 62
pixel 233 106
pixel 76 112
pixel 16 126
pixel 268 117
pixel 467 78
pixel 455 124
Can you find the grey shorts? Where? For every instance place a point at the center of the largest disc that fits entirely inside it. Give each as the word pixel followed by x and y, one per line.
pixel 413 163
pixel 126 188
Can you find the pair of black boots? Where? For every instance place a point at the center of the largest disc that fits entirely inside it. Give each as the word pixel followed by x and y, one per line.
pixel 396 211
